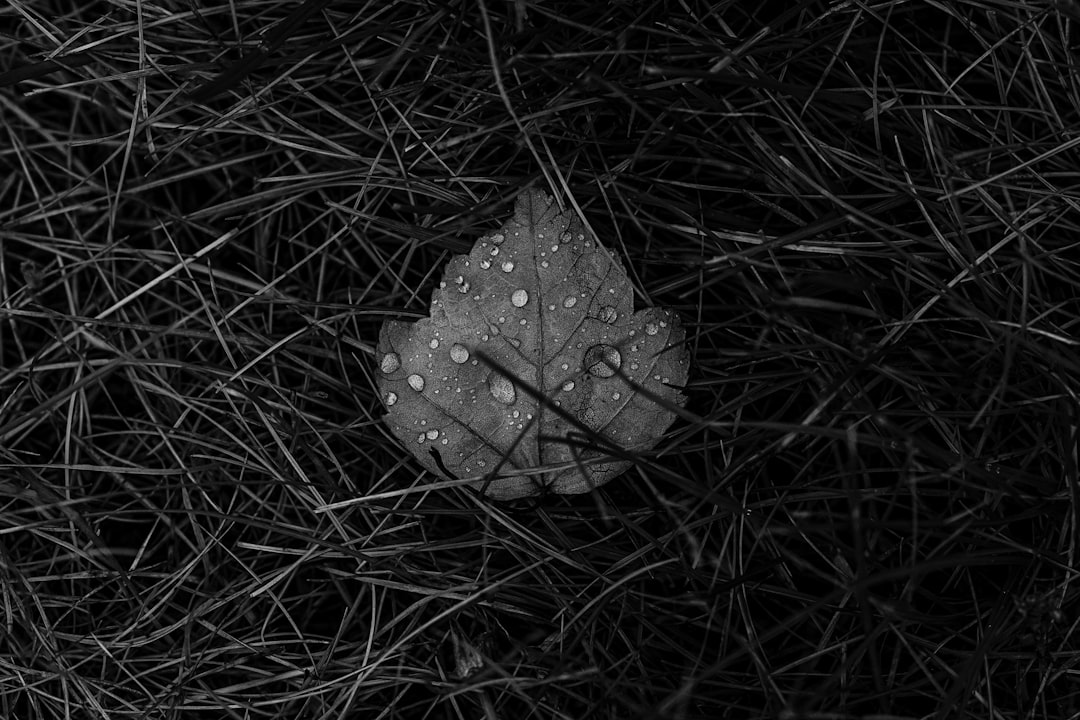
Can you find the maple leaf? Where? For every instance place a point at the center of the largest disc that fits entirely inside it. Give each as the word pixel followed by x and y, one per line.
pixel 533 366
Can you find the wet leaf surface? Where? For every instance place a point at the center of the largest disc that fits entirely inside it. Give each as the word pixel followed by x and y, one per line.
pixel 537 305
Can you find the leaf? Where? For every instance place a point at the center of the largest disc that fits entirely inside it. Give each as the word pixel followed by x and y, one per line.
pixel 553 309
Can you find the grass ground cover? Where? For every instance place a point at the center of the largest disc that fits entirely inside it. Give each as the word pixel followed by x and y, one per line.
pixel 865 212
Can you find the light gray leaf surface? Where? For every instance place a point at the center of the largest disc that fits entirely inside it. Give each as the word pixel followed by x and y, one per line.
pixel 553 308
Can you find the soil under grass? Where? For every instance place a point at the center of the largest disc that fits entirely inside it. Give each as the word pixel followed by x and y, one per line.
pixel 866 214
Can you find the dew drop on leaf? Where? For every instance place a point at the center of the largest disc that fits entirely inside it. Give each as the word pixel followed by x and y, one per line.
pixel 434 344
pixel 390 363
pixel 501 388
pixel 603 360
pixel 468 387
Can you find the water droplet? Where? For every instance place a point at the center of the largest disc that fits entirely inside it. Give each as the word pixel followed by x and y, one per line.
pixel 391 398
pixel 497 238
pixel 464 288
pixel 566 236
pixel 416 382
pixel 501 388
pixel 603 360
pixel 459 353
pixel 554 248
pixel 568 386
pixel 485 264
pixel 432 434
pixel 434 343
pixel 614 396
pixel 651 329
pixel 390 363
pixel 458 280
pixel 519 298
pixel 608 314
pixel 544 263
pixel 507 266
pixel 569 302
pixel 420 438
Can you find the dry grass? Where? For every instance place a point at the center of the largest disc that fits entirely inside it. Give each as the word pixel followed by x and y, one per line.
pixel 866 213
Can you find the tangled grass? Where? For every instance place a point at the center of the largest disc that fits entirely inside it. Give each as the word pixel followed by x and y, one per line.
pixel 865 212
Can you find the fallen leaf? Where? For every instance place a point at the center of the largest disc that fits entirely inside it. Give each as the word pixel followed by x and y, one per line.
pixel 552 308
